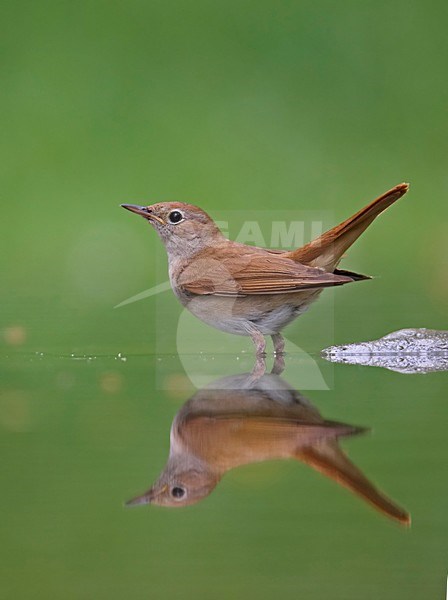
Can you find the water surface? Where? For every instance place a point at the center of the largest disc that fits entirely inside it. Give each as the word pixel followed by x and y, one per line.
pixel 81 435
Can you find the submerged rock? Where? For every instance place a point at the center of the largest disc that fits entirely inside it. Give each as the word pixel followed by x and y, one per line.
pixel 406 351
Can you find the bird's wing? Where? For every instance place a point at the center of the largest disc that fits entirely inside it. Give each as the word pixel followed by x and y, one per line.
pixel 241 272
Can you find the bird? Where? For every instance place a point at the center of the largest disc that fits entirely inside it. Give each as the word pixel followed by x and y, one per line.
pixel 236 421
pixel 248 290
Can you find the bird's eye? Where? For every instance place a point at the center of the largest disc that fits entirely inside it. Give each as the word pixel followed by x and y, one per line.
pixel 175 216
pixel 178 492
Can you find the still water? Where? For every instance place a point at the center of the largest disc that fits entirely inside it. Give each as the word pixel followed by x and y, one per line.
pixel 270 490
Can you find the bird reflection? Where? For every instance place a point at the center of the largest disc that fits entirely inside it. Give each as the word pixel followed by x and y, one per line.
pixel 240 420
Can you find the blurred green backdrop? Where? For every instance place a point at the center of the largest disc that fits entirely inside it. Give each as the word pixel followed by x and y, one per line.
pixel 257 105
pixel 243 105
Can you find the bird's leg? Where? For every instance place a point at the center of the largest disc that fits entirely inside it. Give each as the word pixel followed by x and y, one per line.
pixel 279 351
pixel 279 343
pixel 258 370
pixel 259 342
pixel 260 360
pixel 279 365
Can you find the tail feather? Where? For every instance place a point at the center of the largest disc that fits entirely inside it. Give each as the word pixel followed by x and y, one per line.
pixel 326 251
pixel 354 276
pixel 329 459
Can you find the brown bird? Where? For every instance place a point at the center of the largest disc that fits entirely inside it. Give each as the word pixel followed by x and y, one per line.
pixel 236 421
pixel 248 290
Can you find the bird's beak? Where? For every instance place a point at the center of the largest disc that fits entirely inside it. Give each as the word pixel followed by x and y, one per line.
pixel 143 212
pixel 147 497
pixel 138 500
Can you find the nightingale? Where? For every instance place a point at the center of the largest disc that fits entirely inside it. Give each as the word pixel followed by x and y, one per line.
pixel 247 290
pixel 235 421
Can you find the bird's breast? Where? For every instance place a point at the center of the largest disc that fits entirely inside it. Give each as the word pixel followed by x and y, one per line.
pixel 240 314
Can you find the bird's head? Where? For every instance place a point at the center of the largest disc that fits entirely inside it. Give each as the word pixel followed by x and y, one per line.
pixel 181 226
pixel 178 488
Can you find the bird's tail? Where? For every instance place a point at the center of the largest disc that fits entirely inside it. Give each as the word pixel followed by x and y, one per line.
pixel 326 251
pixel 331 460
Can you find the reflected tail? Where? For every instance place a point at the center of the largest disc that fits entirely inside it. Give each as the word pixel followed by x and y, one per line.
pixel 328 458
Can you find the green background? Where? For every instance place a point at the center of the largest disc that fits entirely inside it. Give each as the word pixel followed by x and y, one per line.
pixel 234 106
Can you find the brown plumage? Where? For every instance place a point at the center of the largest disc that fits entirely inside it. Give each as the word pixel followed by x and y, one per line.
pixel 248 290
pixel 236 421
pixel 237 272
pixel 326 250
